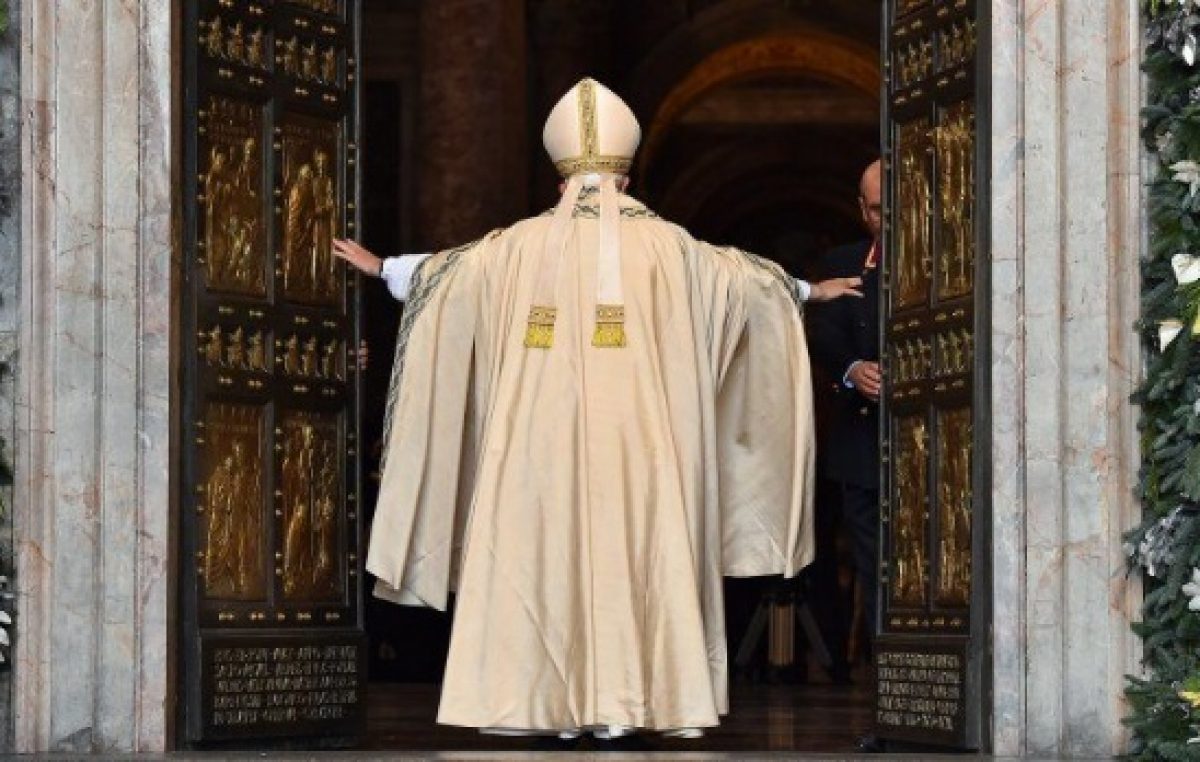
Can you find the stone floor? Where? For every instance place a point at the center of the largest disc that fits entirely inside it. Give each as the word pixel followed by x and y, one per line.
pixel 816 717
pixel 817 721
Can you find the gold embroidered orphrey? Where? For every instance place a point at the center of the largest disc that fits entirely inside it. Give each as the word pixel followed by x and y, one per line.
pixel 590 159
pixel 609 330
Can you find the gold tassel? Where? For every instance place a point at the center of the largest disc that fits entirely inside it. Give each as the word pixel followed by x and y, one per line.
pixel 539 334
pixel 610 326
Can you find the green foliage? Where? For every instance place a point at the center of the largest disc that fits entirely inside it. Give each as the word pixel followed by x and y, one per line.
pixel 3 16
pixel 1165 699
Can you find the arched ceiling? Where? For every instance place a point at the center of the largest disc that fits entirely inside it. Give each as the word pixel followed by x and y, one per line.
pixel 847 64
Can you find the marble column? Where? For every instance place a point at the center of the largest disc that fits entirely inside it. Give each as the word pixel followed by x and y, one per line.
pixel 95 379
pixel 10 181
pixel 473 119
pixel 1066 235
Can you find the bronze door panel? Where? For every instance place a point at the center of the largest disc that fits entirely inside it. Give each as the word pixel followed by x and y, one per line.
pixel 931 645
pixel 272 627
pixel 233 199
pixel 309 218
pixel 231 503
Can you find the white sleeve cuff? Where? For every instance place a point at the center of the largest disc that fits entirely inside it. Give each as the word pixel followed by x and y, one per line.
pixel 398 273
pixel 805 289
pixel 846 378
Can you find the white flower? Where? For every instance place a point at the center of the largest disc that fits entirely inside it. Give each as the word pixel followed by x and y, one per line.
pixel 1192 591
pixel 1187 171
pixel 1167 331
pixel 1186 267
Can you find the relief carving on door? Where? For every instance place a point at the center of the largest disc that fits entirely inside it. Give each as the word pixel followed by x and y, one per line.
pixel 911 555
pixel 311 490
pixel 954 506
pixel 310 211
pixel 955 142
pixel 231 199
pixel 914 247
pixel 931 646
pixel 232 502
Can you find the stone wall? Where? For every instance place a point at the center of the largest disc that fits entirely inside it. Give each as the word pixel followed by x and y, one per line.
pixel 10 162
pixel 1066 235
pixel 95 380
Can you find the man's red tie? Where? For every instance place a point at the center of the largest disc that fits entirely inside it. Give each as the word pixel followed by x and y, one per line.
pixel 872 257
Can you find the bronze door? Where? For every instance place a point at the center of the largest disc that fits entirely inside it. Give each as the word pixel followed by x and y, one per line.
pixel 272 642
pixel 931 646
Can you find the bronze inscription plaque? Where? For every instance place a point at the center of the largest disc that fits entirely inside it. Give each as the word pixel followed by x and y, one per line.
pixel 263 685
pixel 920 692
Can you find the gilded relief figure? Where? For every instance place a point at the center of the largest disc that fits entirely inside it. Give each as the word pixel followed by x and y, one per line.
pixel 214 38
pixel 329 66
pixel 308 360
pixel 298 492
pixel 970 36
pixel 904 67
pixel 256 353
pixel 925 350
pixel 309 66
pixel 325 525
pixel 256 50
pixel 957 365
pixel 913 259
pixel 311 489
pixel 235 47
pixel 236 351
pixel 925 59
pixel 290 58
pixel 954 508
pixel 310 213
pixel 909 544
pixel 218 192
pixel 298 233
pixel 233 567
pixel 219 565
pixel 291 356
pixel 956 194
pixel 214 347
pixel 232 202
pixel 325 270
pixel 330 367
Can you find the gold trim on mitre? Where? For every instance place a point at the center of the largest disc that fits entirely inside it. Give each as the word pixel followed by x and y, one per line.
pixel 583 165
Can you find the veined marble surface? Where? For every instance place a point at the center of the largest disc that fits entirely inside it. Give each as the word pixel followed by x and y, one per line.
pixel 94 385
pixel 10 176
pixel 1066 236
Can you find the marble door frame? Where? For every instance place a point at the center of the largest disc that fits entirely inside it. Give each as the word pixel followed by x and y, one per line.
pixel 95 377
pixel 1067 221
pixel 97 380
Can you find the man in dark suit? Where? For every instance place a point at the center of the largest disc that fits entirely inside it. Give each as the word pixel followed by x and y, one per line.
pixel 844 341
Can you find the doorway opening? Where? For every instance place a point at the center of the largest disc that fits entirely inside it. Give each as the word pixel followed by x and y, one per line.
pixel 758 118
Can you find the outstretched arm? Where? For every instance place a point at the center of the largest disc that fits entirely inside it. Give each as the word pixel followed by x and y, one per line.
pixel 834 288
pixel 397 272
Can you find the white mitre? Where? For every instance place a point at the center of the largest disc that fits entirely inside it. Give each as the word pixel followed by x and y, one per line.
pixel 591 130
